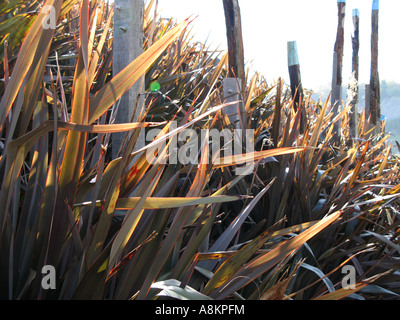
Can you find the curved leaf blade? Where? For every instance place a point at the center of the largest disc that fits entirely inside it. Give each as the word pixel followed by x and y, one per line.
pixel 265 262
pixel 114 90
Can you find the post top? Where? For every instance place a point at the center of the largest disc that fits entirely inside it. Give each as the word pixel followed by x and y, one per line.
pixel 375 5
pixel 293 56
pixel 356 13
pixel 341 1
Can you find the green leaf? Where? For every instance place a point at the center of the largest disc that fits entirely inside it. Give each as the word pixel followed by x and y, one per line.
pixel 10 24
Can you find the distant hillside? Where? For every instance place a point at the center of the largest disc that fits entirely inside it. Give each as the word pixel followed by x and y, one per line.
pixel 390 104
pixel 390 97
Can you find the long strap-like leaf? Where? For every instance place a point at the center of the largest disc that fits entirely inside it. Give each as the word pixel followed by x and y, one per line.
pixel 113 90
pixel 34 45
pixel 265 262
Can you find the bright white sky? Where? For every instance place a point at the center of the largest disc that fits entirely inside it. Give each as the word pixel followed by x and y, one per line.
pixel 269 24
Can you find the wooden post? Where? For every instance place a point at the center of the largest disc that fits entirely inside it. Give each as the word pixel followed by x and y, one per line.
pixel 127 46
pixel 236 76
pixel 336 99
pixel 235 40
pixel 355 68
pixel 294 73
pixel 296 85
pixel 232 94
pixel 375 108
pixel 367 112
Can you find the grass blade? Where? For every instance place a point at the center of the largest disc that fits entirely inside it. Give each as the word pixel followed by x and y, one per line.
pixel 267 261
pixel 113 90
pixel 29 51
pixel 342 293
pixel 152 203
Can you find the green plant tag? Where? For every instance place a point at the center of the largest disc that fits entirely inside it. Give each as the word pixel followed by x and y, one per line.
pixel 155 87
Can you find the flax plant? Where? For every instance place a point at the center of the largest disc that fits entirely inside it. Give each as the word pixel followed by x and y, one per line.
pixel 130 228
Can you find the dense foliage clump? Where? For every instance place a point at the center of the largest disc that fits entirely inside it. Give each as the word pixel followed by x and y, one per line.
pixel 128 228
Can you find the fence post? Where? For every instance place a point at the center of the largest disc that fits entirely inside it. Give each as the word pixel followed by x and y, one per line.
pixel 232 94
pixel 355 68
pixel 127 46
pixel 367 120
pixel 336 99
pixel 236 80
pixel 296 85
pixel 235 40
pixel 375 108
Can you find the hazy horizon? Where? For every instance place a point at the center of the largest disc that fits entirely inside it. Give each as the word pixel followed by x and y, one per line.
pixel 268 26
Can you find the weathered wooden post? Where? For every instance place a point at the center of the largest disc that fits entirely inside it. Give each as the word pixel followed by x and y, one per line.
pixel 375 108
pixel 296 85
pixel 235 40
pixel 336 98
pixel 367 107
pixel 294 73
pixel 236 77
pixel 354 87
pixel 232 94
pixel 127 46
